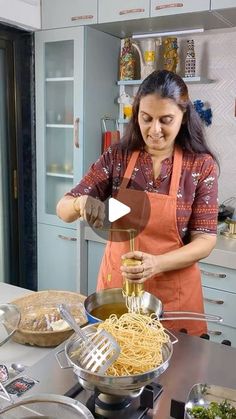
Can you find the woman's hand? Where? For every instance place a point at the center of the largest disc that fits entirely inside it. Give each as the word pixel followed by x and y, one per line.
pixel 141 272
pixel 91 210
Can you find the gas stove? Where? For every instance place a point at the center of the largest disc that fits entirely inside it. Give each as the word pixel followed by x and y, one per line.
pixel 107 406
pixel 48 376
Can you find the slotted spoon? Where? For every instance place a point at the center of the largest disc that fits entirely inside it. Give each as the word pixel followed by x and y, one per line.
pixel 99 351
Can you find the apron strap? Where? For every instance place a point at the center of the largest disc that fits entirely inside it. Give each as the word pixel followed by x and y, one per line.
pixel 129 169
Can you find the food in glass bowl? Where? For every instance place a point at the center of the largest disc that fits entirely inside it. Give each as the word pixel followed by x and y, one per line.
pixel 41 323
pixel 47 318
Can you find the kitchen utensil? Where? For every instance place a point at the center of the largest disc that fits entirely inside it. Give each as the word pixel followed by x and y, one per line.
pixel 99 351
pixel 203 394
pixel 46 406
pixel 39 323
pixel 111 301
pixel 231 231
pixel 130 385
pixel 18 367
pixel 147 50
pixel 9 321
pixel 109 136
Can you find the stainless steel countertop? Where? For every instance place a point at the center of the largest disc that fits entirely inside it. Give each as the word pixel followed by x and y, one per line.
pixel 195 360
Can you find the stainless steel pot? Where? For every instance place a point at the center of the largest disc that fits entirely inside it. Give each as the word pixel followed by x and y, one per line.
pixel 130 385
pixel 46 406
pixel 114 297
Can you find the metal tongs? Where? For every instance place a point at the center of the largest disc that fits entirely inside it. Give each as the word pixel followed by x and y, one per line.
pixel 98 351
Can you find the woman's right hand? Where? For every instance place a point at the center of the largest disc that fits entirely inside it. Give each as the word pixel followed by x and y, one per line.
pixel 91 210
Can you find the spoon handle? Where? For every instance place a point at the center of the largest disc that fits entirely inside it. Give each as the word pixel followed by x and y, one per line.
pixel 67 316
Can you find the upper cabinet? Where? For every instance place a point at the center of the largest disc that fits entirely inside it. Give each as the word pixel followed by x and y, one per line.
pixel 61 13
pixel 222 4
pixel 22 13
pixel 167 7
pixel 110 11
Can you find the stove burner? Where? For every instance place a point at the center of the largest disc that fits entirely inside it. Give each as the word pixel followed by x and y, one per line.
pixel 109 406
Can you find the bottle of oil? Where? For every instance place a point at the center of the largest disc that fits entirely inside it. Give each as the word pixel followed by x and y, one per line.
pixel 132 288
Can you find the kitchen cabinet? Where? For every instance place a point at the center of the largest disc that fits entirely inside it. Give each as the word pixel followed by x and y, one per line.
pixel 222 4
pixel 95 254
pixel 219 290
pixel 109 11
pixel 54 244
pixel 61 13
pixel 95 246
pixel 165 7
pixel 73 66
pixel 23 13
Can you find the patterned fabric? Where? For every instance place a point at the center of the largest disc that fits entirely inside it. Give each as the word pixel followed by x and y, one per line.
pixel 197 205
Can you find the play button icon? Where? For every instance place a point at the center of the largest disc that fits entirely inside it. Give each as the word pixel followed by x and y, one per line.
pixel 117 210
pixel 126 209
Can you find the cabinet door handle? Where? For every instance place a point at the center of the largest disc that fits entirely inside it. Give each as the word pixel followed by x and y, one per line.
pixel 168 5
pixel 214 332
pixel 70 239
pixel 83 17
pixel 209 300
pixel 76 133
pixel 125 12
pixel 215 274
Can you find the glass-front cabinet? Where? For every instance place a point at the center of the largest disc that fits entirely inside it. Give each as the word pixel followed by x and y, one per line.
pixel 75 75
pixel 59 161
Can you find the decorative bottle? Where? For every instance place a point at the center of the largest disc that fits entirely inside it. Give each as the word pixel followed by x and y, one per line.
pixel 127 61
pixel 171 57
pixel 190 62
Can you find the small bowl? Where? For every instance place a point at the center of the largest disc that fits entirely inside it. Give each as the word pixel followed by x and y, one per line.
pixel 9 321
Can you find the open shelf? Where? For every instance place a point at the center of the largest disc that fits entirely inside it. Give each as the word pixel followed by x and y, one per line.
pixel 63 175
pixel 59 126
pixel 196 79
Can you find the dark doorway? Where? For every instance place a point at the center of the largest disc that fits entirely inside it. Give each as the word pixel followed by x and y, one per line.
pixel 17 158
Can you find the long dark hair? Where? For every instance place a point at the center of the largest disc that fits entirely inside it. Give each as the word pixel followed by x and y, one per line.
pixel 168 85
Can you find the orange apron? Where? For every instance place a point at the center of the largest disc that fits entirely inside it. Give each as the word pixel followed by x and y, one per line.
pixel 178 290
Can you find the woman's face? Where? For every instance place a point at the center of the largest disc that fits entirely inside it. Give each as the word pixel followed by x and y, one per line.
pixel 159 121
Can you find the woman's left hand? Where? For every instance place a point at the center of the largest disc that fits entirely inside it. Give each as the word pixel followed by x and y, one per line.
pixel 140 273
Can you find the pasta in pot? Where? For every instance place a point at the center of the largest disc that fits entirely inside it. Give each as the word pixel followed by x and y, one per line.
pixel 141 338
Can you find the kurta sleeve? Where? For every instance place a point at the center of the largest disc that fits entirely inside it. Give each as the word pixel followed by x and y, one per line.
pixel 205 205
pixel 97 182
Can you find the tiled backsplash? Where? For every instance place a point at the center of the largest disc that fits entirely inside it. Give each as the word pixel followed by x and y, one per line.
pixel 216 59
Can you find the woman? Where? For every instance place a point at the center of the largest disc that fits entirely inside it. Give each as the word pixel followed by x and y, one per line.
pixel 165 154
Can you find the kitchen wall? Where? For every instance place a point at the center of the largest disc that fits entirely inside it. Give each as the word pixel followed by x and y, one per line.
pixel 216 59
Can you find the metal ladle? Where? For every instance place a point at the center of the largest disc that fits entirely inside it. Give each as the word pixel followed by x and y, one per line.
pixel 18 367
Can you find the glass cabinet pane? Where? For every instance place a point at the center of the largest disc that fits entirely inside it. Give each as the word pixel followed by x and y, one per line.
pixel 59 116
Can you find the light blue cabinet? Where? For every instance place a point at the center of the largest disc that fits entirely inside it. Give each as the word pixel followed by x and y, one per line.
pixel 110 11
pixel 56 258
pixel 219 291
pixel 95 253
pixel 76 69
pixel 62 14
pixel 166 7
